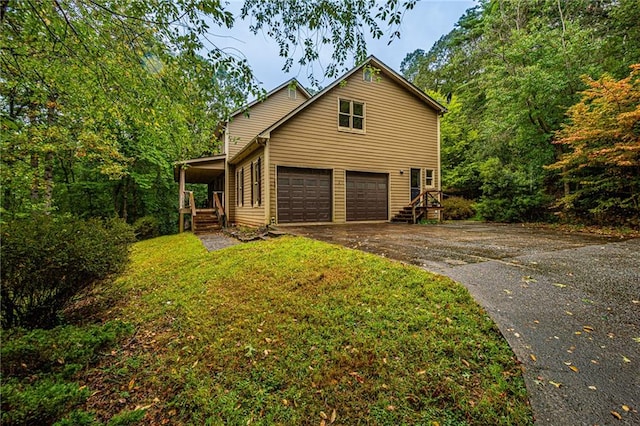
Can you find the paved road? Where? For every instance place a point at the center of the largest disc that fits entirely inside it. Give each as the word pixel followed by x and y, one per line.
pixel 568 304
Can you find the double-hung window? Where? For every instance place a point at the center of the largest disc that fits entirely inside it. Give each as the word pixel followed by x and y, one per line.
pixel 240 187
pixel 256 182
pixel 351 115
pixel 429 178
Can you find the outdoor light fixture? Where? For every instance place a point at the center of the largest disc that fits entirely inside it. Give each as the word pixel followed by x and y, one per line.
pixel 401 171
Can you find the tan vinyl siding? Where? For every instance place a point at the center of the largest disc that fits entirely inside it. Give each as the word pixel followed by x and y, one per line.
pixel 401 132
pixel 249 214
pixel 245 126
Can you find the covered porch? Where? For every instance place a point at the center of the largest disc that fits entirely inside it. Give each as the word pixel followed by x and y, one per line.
pixel 210 171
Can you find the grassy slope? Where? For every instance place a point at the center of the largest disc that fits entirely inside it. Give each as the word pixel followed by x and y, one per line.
pixel 287 331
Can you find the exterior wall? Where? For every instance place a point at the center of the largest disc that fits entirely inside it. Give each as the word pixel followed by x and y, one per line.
pixel 245 126
pixel 401 132
pixel 248 213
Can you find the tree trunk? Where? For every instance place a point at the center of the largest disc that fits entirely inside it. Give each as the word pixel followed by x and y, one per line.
pixel 35 183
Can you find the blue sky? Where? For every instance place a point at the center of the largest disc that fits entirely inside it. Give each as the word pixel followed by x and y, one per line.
pixel 421 27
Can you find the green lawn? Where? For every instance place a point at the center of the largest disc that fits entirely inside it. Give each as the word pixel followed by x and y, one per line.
pixel 295 331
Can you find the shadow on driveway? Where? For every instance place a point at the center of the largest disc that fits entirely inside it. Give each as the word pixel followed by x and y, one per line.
pixel 567 303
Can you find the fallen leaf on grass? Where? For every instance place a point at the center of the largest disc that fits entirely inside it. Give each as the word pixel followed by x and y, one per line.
pixel 533 358
pixel 636 339
pixel 574 368
pixel 333 416
pixel 556 384
pixel 592 388
pixel 626 408
pixel 616 415
pixel 143 407
pixel 323 415
pixel 587 328
pixel 131 383
pixel 625 359
pixel 560 285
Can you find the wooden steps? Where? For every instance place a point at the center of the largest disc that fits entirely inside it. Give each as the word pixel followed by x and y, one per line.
pixel 206 221
pixel 403 216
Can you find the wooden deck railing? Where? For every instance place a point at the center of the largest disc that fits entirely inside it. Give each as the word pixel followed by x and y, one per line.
pixel 425 200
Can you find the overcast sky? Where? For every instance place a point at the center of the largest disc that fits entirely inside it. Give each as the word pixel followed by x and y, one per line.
pixel 421 27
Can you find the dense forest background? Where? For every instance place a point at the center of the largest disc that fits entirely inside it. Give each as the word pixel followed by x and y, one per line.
pixel 99 99
pixel 544 109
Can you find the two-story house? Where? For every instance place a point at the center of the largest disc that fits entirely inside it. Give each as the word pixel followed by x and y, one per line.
pixel 365 148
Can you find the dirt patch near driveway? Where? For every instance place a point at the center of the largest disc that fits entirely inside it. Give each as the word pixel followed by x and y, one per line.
pixel 568 304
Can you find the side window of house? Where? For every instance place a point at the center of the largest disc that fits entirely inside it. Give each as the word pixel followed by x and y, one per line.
pixel 292 92
pixel 240 187
pixel 366 75
pixel 258 182
pixel 351 114
pixel 429 181
pixel 253 183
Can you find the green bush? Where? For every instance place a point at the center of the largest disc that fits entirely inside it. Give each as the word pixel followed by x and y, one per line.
pixel 146 227
pixel 457 208
pixel 46 260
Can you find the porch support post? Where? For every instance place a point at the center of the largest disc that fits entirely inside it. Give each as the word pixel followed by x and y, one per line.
pixel 181 198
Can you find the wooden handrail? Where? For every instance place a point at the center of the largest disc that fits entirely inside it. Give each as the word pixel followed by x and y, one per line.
pixel 219 209
pixel 192 203
pixel 422 202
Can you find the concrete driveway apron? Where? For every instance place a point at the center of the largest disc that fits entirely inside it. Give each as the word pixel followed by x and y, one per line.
pixel 568 304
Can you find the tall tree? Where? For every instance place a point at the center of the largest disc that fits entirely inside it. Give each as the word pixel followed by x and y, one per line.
pixel 602 162
pixel 514 69
pixel 100 97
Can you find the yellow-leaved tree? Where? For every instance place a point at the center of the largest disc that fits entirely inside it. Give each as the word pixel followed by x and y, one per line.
pixel 601 164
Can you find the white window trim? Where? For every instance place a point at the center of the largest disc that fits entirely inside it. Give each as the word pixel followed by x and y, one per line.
pixel 433 178
pixel 364 117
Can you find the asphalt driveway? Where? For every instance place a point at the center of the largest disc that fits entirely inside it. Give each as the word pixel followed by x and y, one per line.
pixel 568 304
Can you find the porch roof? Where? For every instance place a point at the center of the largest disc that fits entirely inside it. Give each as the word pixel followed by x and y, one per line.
pixel 200 170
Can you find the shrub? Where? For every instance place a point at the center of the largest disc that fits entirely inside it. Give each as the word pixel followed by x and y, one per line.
pixel 46 260
pixel 146 227
pixel 457 208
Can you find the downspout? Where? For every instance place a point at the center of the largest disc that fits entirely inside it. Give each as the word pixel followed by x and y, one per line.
pixel 266 185
pixel 439 167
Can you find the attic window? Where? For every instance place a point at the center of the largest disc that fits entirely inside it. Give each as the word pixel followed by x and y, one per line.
pixel 351 115
pixel 293 93
pixel 367 75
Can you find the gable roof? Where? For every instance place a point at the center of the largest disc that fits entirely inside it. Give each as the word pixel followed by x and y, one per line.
pixel 271 93
pixel 371 60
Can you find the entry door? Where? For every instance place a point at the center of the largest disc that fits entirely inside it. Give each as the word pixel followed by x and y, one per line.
pixel 415 183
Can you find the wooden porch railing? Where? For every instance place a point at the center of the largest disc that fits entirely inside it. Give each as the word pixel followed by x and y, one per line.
pixel 187 205
pixel 222 218
pixel 425 200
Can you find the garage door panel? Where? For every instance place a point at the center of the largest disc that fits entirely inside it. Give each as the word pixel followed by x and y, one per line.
pixel 304 195
pixel 367 196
